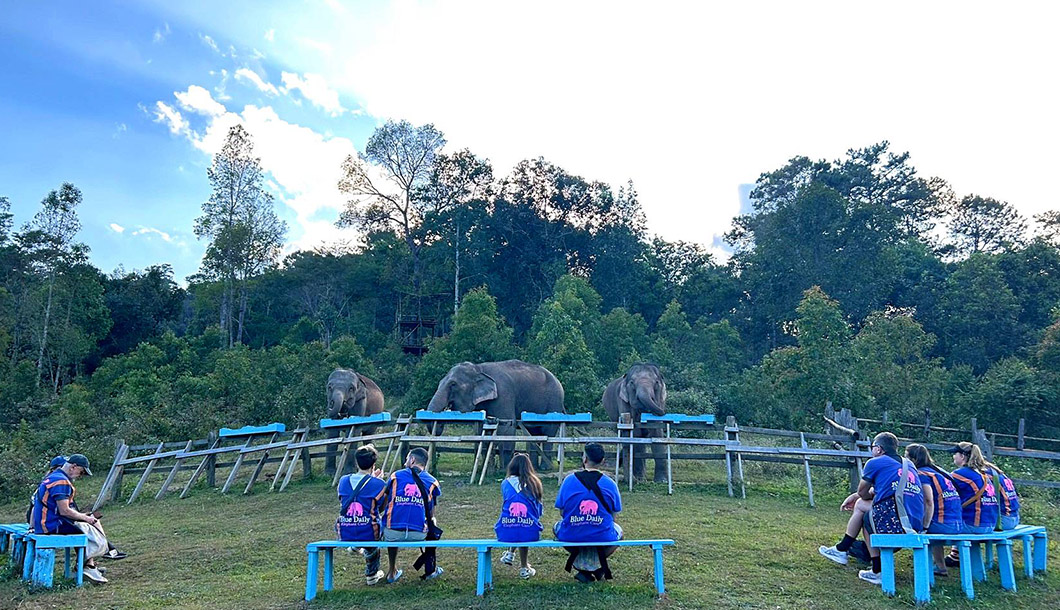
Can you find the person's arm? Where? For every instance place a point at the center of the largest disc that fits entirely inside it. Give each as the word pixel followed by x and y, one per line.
pixel 865 490
pixel 70 513
pixel 929 503
pixel 848 504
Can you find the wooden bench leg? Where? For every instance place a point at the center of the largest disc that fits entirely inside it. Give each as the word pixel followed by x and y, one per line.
pixel 978 569
pixel 43 567
pixel 887 571
pixel 27 558
pixel 329 577
pixel 1028 558
pixel 964 551
pixel 923 572
pixel 66 564
pixel 489 568
pixel 484 560
pixel 1040 545
pixel 312 563
pixel 660 586
pixel 988 563
pixel 80 578
pixel 1004 565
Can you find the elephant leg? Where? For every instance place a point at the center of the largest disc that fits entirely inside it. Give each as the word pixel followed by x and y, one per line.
pixel 638 462
pixel 541 453
pixel 658 453
pixel 329 460
pixel 505 448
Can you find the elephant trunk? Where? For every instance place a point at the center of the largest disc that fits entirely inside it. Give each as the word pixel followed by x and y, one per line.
pixel 438 402
pixel 647 400
pixel 335 402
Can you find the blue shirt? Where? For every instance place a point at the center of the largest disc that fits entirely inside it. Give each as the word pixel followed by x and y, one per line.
pixel 1010 500
pixel 46 518
pixel 947 500
pixel 584 520
pixel 520 519
pixel 404 507
pixel 885 472
pixel 984 510
pixel 359 516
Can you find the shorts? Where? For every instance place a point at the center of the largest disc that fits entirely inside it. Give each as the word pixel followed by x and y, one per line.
pixel 619 534
pixel 390 535
pixel 977 529
pixel 1009 522
pixel 945 528
pixel 883 518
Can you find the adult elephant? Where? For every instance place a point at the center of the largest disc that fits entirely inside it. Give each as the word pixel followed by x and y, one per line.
pixel 503 390
pixel 641 390
pixel 350 394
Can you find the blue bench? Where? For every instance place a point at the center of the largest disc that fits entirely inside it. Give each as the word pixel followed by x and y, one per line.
pixel 38 565
pixel 970 547
pixel 7 533
pixel 483 547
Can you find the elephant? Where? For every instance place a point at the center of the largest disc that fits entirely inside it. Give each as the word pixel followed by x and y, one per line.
pixel 504 390
pixel 350 394
pixel 641 390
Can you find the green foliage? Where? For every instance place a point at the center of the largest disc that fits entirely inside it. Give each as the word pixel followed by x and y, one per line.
pixel 557 343
pixel 979 314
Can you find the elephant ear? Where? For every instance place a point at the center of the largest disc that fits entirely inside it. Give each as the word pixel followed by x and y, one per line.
pixel 485 389
pixel 622 394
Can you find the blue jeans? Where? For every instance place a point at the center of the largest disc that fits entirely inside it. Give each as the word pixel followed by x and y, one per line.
pixel 977 529
pixel 1009 522
pixel 945 528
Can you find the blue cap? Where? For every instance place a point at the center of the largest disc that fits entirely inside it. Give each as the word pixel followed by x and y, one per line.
pixel 58 461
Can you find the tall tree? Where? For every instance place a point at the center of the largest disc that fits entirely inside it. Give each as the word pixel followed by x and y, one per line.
pixel 386 186
pixel 245 233
pixel 984 224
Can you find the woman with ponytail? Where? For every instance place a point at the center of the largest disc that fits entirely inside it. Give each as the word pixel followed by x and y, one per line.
pixel 521 509
pixel 975 484
pixel 1009 499
pixel 942 503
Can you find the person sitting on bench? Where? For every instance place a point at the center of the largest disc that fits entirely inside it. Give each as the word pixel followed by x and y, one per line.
pixel 521 509
pixel 55 513
pixel 589 500
pixel 359 512
pixel 975 484
pixel 942 503
pixel 409 500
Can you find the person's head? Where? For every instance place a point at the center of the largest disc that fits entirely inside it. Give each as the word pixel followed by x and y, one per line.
pixel 56 463
pixel 523 468
pixel 366 457
pixel 418 458
pixel 593 457
pixel 919 456
pixel 968 454
pixel 77 465
pixel 884 443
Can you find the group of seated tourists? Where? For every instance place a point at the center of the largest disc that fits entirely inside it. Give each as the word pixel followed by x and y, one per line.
pixel 53 510
pixel 913 494
pixel 401 508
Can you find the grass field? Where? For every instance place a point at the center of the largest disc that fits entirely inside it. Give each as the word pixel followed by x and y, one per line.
pixel 213 551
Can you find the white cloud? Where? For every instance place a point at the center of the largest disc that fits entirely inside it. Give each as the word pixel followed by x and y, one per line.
pixel 198 100
pixel 315 89
pixel 319 46
pixel 172 118
pixel 206 40
pixel 270 35
pixel 119 129
pixel 256 80
pixel 166 237
pixel 161 34
pixel 117 228
pixel 303 168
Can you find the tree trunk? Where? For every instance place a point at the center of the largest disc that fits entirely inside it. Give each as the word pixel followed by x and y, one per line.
pixel 242 311
pixel 456 272
pixel 44 334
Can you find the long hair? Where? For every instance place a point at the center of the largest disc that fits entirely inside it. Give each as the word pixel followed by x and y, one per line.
pixel 521 467
pixel 921 457
pixel 976 461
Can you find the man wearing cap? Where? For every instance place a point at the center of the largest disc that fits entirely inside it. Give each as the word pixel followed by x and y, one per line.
pixel 54 511
pixel 589 500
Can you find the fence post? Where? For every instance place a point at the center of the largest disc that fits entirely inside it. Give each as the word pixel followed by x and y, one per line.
pixel 115 493
pixel 975 428
pixel 307 463
pixel 985 445
pixel 886 419
pixel 927 424
pixel 211 461
pixel 1019 435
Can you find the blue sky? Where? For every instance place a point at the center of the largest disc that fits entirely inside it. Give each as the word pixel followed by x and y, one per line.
pixel 690 100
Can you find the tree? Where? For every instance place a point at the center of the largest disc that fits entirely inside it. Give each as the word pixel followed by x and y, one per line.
pixel 245 233
pixel 984 224
pixel 386 187
pixel 559 345
pixel 978 315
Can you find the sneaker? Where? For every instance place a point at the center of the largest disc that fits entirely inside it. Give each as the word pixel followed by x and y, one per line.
pixel 952 562
pixel 102 570
pixel 94 575
pixel 508 558
pixel 374 578
pixel 834 554
pixel 438 571
pixel 397 577
pixel 870 576
pixel 584 577
pixel 114 554
pixel 527 572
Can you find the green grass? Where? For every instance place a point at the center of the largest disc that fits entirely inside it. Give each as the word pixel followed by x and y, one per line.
pixel 213 551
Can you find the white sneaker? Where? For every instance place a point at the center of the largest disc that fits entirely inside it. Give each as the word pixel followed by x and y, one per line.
pixel 834 554
pixel 527 572
pixel 870 576
pixel 508 558
pixel 373 579
pixel 94 575
pixel 438 571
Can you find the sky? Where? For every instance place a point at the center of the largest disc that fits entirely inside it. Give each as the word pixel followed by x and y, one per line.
pixel 692 101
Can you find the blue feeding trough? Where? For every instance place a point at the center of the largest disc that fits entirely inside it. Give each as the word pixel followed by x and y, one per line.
pixel 252 430
pixel 454 416
pixel 556 418
pixel 677 418
pixel 346 422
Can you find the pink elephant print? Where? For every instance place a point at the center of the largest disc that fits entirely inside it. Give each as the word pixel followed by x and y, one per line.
pixel 411 490
pixel 517 509
pixel 588 507
pixel 1009 486
pixel 355 510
